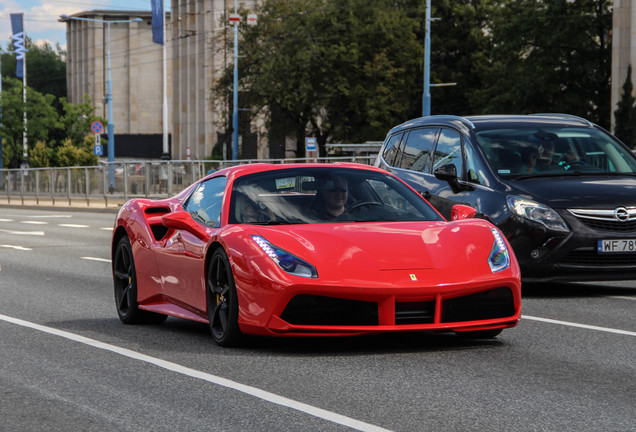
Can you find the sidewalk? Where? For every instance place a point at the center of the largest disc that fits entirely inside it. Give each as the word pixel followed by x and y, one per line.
pixel 78 204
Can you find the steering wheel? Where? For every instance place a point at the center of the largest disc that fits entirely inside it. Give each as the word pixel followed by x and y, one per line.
pixel 367 204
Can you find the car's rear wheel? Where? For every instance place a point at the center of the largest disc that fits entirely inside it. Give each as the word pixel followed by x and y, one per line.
pixel 222 301
pixel 125 281
pixel 483 334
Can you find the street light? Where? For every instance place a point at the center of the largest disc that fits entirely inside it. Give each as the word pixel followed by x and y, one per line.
pixel 109 95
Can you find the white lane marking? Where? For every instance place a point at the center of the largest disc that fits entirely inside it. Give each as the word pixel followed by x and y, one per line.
pixel 585 326
pixel 107 228
pixel 72 225
pixel 6 220
pixel 623 298
pixel 95 259
pixel 223 382
pixel 37 233
pixel 15 247
pixel 60 216
pixel 34 222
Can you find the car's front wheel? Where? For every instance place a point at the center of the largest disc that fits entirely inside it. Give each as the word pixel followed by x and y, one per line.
pixel 125 281
pixel 222 301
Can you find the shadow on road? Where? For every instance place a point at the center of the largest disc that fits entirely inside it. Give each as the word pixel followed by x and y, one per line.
pixel 179 335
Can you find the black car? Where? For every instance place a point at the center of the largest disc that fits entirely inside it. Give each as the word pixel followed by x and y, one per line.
pixel 562 189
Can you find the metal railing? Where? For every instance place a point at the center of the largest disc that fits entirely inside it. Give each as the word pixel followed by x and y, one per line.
pixel 133 179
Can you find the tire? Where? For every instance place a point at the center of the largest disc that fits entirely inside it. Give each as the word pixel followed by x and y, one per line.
pixel 222 301
pixel 483 334
pixel 125 284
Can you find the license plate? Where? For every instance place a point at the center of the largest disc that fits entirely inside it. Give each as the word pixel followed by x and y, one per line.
pixel 617 246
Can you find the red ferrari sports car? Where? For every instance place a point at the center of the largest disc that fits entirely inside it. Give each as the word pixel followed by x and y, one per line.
pixel 311 250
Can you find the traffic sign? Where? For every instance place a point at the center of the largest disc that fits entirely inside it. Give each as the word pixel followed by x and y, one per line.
pixel 235 19
pixel 98 139
pixel 252 19
pixel 310 143
pixel 97 127
pixel 98 150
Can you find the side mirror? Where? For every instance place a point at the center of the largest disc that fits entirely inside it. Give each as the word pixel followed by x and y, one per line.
pixel 448 173
pixel 181 220
pixel 461 211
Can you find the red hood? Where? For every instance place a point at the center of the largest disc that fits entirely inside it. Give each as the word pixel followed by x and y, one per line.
pixel 357 249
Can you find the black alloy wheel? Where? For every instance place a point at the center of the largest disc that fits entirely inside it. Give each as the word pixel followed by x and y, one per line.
pixel 222 301
pixel 125 282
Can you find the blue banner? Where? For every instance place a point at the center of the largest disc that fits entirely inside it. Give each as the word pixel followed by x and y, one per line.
pixel 157 21
pixel 18 42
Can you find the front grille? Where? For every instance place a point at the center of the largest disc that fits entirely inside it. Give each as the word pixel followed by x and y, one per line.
pixel 592 258
pixel 608 225
pixel 414 312
pixel 497 303
pixel 607 219
pixel 305 309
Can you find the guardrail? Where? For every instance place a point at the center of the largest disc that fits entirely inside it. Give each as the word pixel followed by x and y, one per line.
pixel 133 179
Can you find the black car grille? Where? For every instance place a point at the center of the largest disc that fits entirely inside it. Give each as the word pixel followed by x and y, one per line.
pixel 608 225
pixel 315 310
pixel 305 309
pixel 497 303
pixel 414 312
pixel 592 258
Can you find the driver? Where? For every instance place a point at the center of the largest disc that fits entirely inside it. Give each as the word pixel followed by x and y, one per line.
pixel 540 159
pixel 331 200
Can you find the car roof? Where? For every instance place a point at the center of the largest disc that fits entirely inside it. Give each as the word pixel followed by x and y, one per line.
pixel 496 121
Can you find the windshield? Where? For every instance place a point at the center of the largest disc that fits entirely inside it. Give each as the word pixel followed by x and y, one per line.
pixel 529 152
pixel 319 195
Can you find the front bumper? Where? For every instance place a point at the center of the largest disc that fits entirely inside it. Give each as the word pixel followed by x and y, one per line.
pixel 321 312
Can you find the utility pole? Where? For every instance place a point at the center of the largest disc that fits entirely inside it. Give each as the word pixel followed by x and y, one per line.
pixel 426 96
pixel 235 115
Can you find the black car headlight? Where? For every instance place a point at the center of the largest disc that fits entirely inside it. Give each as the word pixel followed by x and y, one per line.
pixel 536 212
pixel 288 262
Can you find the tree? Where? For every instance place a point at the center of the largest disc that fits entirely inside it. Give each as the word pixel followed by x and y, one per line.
pixel 625 114
pixel 334 69
pixel 39 156
pixel 41 119
pixel 71 155
pixel 75 122
pixel 461 48
pixel 549 56
pixel 46 68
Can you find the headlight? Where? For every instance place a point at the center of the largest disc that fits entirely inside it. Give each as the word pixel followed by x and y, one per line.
pixel 537 213
pixel 499 258
pixel 288 262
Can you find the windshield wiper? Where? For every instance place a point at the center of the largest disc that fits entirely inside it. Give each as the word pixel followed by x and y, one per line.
pixel 541 175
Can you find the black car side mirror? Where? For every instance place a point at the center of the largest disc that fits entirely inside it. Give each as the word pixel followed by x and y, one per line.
pixel 448 173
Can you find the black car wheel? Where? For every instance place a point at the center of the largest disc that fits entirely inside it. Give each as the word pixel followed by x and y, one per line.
pixel 222 301
pixel 125 281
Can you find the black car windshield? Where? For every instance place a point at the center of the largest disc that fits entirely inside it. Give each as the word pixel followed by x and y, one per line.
pixel 324 194
pixel 552 151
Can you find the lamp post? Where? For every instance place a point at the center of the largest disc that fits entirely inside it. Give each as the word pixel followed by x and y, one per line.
pixel 109 94
pixel 235 116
